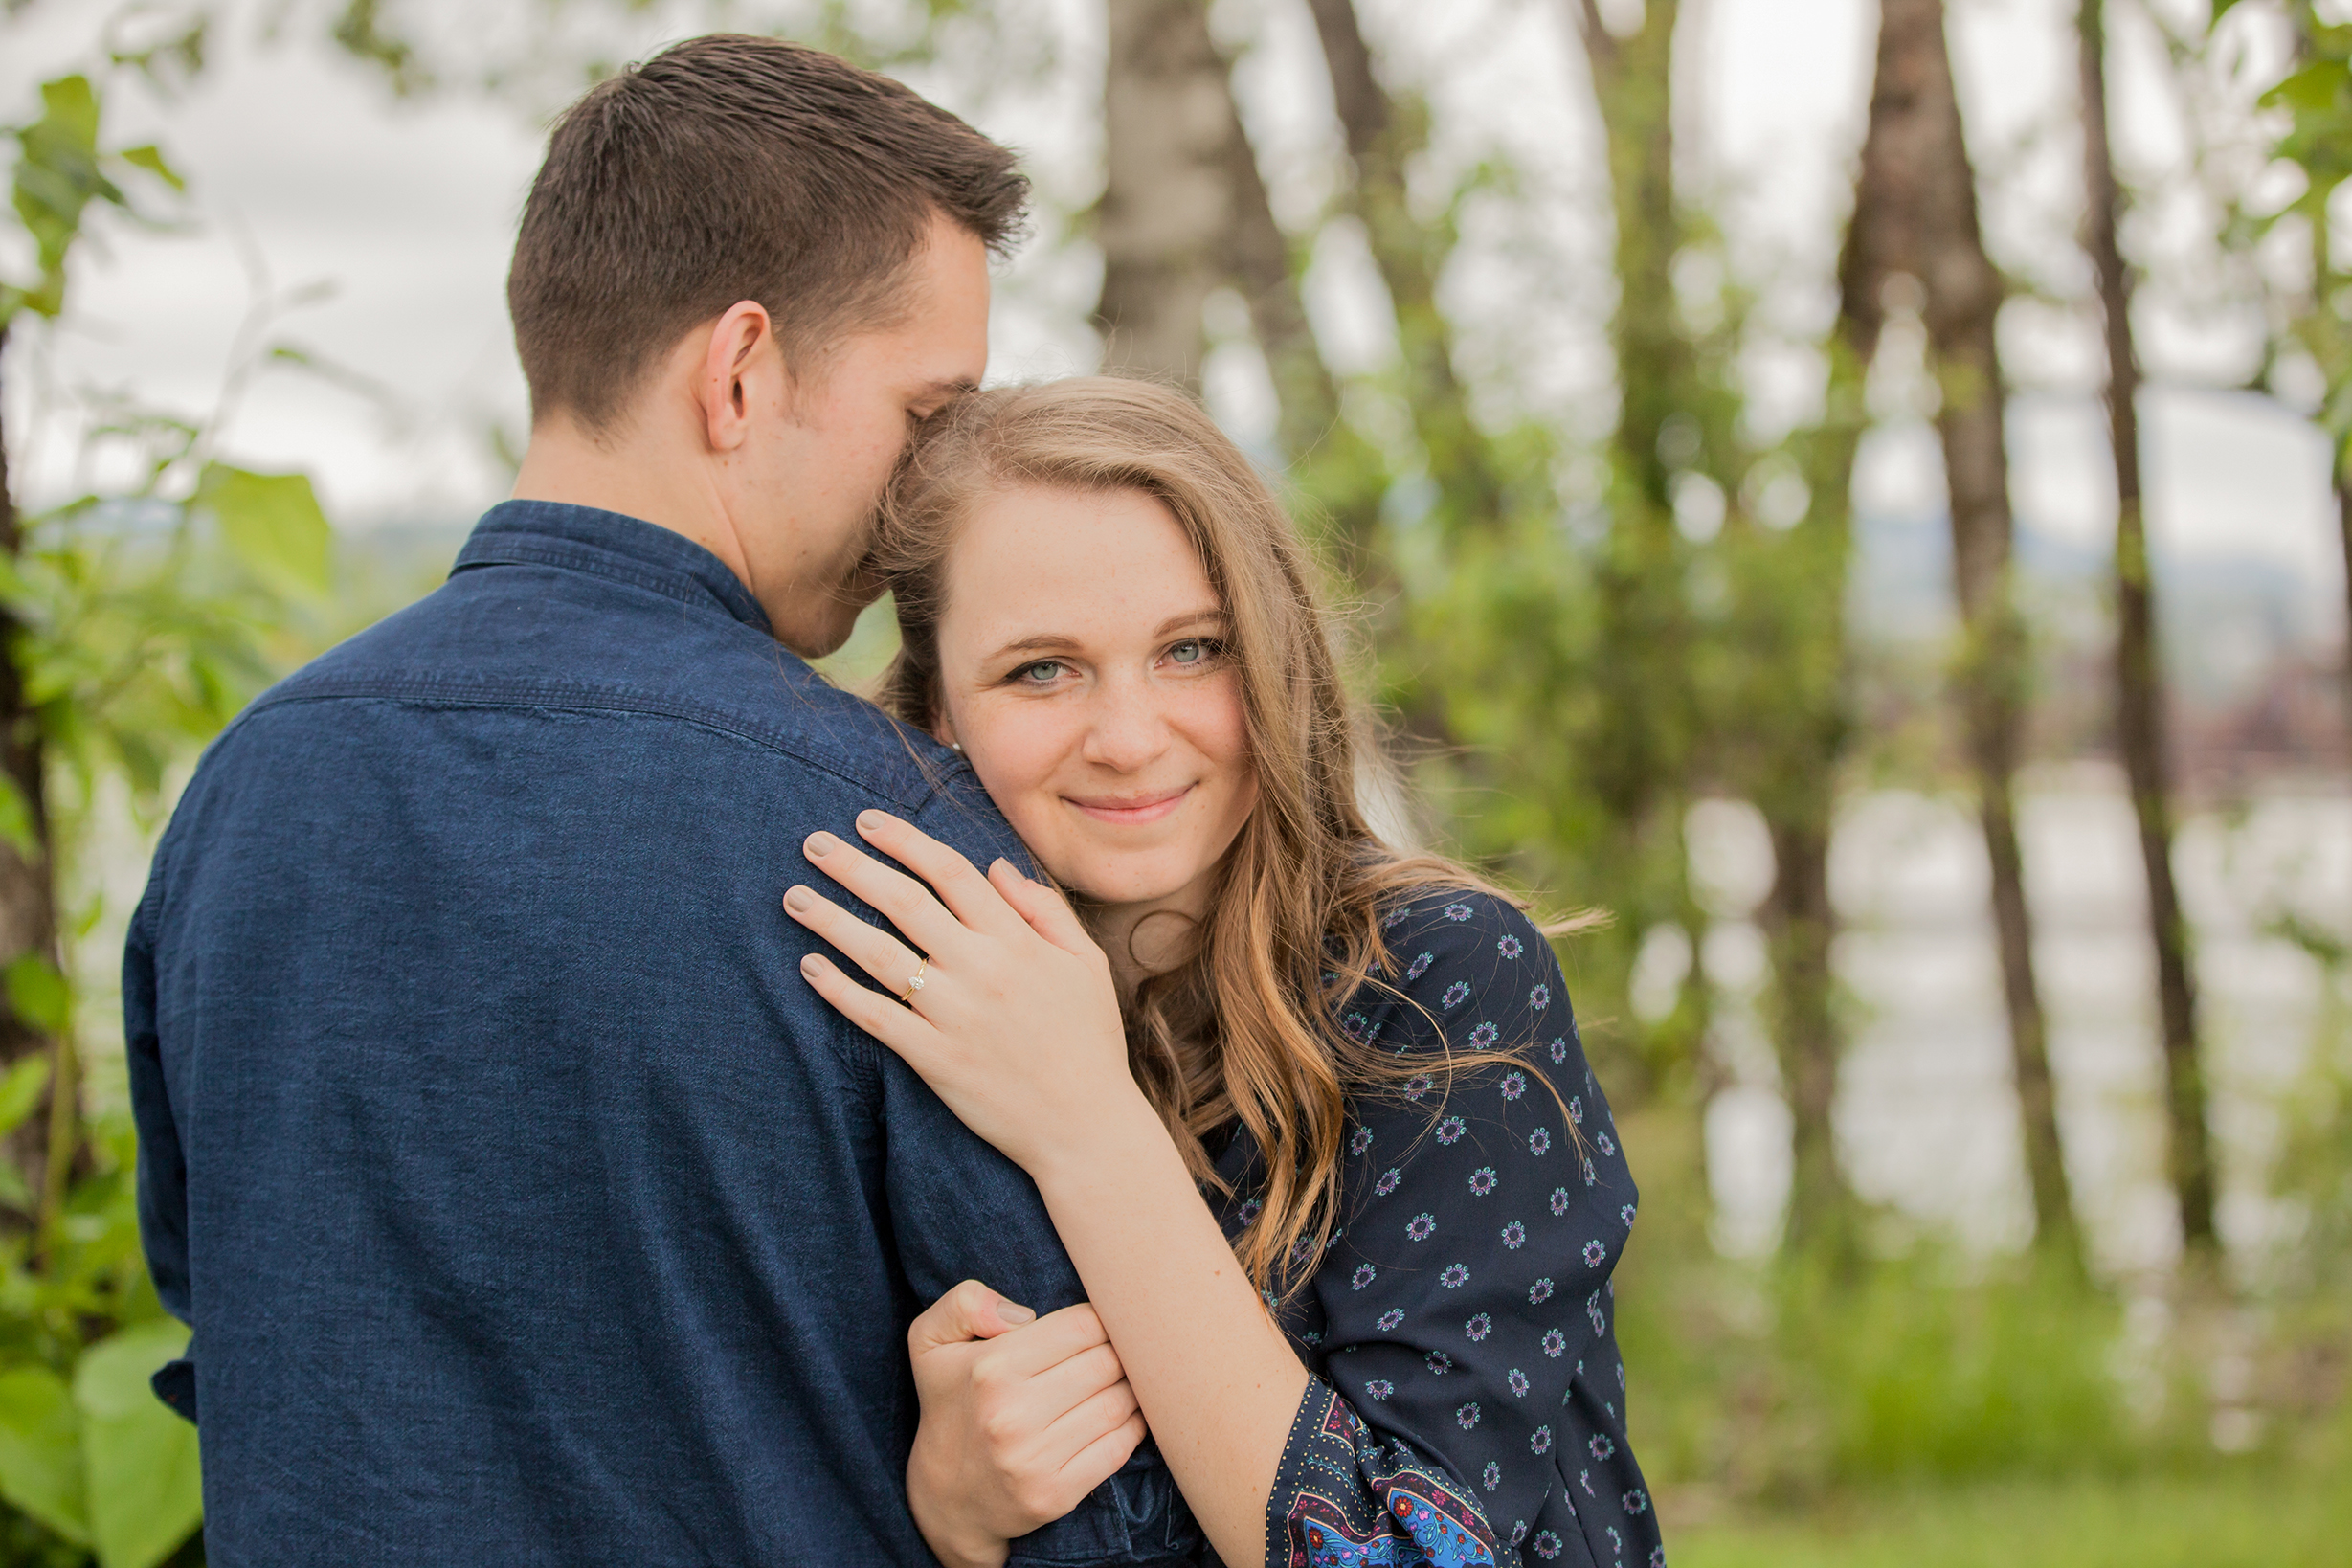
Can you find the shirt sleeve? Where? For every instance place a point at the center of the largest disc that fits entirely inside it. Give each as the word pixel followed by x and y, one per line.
pixel 163 1167
pixel 1468 1381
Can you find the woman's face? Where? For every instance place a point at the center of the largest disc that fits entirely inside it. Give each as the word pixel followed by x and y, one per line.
pixel 1082 662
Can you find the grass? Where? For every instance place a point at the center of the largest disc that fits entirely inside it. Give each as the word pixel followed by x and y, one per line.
pixel 2256 1514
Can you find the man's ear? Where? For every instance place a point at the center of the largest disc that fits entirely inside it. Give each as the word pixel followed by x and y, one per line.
pixel 741 370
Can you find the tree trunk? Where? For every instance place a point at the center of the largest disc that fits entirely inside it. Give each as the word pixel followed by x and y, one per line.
pixel 2140 704
pixel 1642 756
pixel 1938 240
pixel 1167 205
pixel 2344 523
pixel 1633 84
pixel 1329 463
pixel 27 897
pixel 1807 723
pixel 1257 253
pixel 1185 209
pixel 1382 135
pixel 1803 929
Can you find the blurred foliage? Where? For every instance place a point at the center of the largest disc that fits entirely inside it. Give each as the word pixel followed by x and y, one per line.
pixel 2314 101
pixel 2248 1514
pixel 140 620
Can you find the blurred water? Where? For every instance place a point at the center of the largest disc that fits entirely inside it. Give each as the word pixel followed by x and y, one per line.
pixel 1926 1115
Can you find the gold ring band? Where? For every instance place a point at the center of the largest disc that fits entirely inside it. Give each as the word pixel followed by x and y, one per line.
pixel 914 982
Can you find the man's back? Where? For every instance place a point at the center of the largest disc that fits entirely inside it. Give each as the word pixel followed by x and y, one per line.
pixel 527 1206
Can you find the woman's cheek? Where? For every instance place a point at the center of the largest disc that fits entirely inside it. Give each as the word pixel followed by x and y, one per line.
pixel 1017 759
pixel 1226 732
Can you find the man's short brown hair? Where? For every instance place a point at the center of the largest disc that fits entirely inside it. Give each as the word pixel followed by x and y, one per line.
pixel 730 167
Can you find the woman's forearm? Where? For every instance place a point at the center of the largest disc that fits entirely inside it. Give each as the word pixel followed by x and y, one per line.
pixel 1217 1379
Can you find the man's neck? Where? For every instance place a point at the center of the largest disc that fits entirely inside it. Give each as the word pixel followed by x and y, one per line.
pixel 634 477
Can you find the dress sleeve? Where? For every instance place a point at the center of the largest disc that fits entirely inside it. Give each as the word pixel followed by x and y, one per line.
pixel 1469 1398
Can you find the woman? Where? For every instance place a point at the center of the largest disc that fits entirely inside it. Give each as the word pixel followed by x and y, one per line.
pixel 1271 1065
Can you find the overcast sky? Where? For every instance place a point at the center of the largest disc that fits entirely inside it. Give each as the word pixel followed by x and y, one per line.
pixel 306 170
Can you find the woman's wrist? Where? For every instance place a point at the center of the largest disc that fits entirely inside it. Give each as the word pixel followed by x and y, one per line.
pixel 1097 1147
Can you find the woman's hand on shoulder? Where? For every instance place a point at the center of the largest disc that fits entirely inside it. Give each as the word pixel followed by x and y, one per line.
pixel 991 988
pixel 1022 1417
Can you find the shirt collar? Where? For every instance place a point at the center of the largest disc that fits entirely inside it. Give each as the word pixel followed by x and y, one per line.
pixel 609 545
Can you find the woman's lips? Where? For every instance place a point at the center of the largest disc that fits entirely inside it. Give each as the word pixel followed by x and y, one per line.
pixel 1131 811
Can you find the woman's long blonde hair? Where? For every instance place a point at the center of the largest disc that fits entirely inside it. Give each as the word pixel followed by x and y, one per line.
pixel 1242 1027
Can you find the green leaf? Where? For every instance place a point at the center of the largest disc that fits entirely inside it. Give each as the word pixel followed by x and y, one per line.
pixel 145 1495
pixel 40 1451
pixel 16 822
pixel 151 158
pixel 38 994
pixel 20 1091
pixel 15 1192
pixel 273 524
pixel 2311 89
pixel 68 106
pixel 56 177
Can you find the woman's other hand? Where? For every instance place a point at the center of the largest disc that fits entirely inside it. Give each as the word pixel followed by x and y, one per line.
pixel 1015 1020
pixel 1022 1417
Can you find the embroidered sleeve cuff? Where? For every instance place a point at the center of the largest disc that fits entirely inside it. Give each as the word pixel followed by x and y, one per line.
pixel 1342 1500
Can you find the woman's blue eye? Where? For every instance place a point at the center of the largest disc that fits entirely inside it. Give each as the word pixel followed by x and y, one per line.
pixel 1042 673
pixel 1189 650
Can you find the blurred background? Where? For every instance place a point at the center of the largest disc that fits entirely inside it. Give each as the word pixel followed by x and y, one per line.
pixel 1856 490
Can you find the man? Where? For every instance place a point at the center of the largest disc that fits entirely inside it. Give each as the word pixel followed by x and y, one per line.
pixel 527 1206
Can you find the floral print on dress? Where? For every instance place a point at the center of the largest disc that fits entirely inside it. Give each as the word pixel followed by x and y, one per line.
pixel 1496 1444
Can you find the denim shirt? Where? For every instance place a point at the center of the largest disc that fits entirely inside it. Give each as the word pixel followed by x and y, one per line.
pixel 527 1206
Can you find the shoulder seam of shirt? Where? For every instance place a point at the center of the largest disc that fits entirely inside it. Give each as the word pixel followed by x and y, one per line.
pixel 440 693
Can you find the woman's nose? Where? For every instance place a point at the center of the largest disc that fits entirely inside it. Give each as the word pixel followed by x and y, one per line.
pixel 1128 732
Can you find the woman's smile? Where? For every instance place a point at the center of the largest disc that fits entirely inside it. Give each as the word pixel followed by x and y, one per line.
pixel 1132 811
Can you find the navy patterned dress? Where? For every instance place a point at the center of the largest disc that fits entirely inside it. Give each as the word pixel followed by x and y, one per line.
pixel 1468 1403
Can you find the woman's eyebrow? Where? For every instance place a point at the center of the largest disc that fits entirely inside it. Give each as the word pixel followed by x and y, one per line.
pixel 1193 618
pixel 1036 642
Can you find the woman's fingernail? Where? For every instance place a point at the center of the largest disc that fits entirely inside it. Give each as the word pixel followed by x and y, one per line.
pixel 800 900
pixel 1013 1311
pixel 819 844
pixel 812 966
pixel 871 821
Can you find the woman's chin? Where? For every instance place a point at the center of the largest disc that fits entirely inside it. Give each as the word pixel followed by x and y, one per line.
pixel 1126 886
